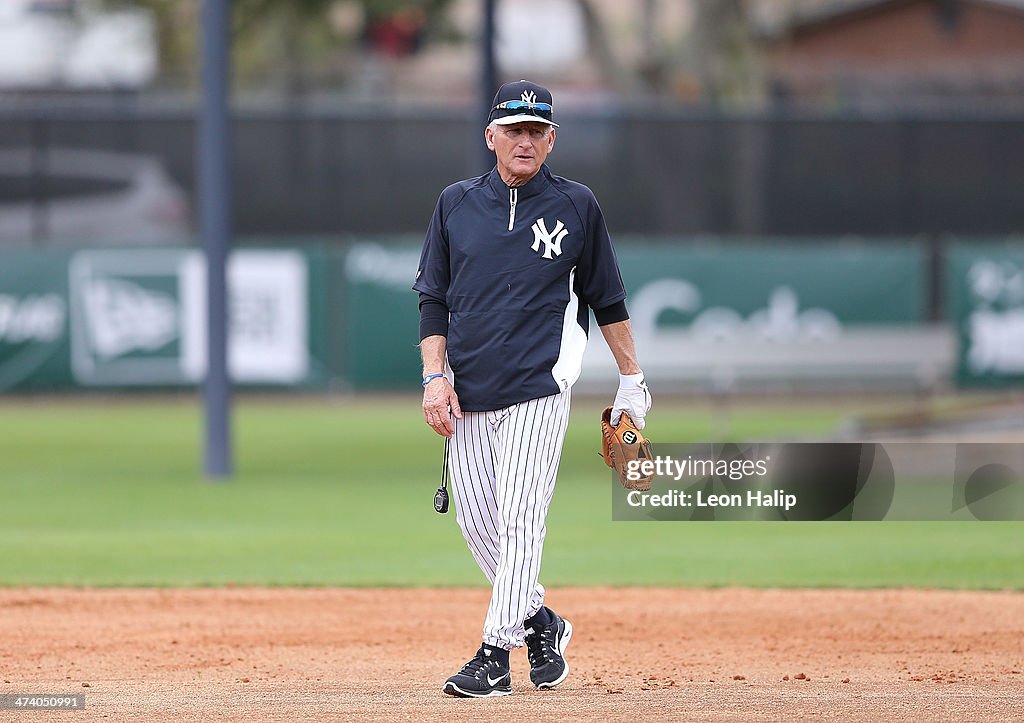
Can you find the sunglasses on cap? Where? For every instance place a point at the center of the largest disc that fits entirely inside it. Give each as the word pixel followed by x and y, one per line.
pixel 517 107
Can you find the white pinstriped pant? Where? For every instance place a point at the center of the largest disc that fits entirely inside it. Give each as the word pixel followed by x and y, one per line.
pixel 503 466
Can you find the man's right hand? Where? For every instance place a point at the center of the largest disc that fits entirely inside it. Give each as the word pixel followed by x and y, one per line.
pixel 440 404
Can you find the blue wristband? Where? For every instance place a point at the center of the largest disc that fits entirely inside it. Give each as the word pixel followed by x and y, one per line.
pixel 431 377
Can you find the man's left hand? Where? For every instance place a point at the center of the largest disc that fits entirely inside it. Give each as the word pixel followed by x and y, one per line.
pixel 633 398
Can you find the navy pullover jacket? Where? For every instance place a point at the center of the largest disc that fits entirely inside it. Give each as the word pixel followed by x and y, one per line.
pixel 517 269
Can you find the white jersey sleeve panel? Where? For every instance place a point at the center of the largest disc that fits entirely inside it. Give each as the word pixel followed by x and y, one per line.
pixel 569 364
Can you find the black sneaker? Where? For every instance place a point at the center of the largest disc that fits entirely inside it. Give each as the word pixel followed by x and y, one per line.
pixel 481 677
pixel 545 647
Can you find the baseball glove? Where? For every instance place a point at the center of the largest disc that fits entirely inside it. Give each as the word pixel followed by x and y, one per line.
pixel 622 444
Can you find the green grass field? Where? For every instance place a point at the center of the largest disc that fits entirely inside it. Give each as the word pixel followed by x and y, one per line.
pixel 101 492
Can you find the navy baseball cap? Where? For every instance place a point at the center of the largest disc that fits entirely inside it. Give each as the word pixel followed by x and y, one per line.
pixel 521 102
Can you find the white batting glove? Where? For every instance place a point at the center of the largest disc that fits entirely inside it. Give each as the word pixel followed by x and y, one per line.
pixel 632 398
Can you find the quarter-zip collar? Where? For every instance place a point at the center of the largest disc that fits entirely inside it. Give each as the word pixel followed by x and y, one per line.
pixel 513 195
pixel 531 188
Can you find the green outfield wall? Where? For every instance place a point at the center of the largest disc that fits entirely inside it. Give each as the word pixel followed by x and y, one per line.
pixel 716 313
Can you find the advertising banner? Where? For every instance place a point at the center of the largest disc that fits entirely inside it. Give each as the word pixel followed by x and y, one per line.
pixel 33 320
pixel 722 314
pixel 731 315
pixel 382 310
pixel 124 318
pixel 985 286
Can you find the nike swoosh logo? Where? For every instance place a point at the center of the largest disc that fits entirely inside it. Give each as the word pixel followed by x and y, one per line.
pixel 492 682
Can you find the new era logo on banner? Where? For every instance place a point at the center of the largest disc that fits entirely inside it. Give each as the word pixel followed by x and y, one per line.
pixel 139 317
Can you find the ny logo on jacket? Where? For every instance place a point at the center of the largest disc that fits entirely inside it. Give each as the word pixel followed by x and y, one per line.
pixel 552 240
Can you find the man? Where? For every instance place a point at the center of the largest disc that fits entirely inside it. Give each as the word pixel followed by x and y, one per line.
pixel 511 264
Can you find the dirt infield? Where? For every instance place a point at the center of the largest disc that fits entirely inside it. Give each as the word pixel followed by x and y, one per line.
pixel 660 654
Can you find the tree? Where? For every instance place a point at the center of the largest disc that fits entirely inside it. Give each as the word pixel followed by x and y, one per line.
pixel 280 39
pixel 719 54
pixel 723 53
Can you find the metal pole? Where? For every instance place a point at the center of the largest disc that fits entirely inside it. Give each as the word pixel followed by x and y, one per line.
pixel 216 228
pixel 488 77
